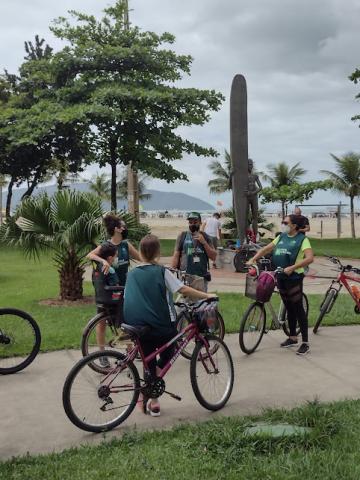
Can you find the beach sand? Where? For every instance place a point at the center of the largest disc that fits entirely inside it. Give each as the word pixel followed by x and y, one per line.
pixel 170 227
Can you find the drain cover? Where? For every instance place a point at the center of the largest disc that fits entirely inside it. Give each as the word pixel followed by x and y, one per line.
pixel 276 430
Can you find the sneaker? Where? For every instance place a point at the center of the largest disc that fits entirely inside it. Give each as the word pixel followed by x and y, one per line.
pixel 303 349
pixel 104 362
pixel 153 411
pixel 288 343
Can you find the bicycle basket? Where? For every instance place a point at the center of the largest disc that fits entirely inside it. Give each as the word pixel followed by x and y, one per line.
pixel 206 318
pixel 103 296
pixel 250 287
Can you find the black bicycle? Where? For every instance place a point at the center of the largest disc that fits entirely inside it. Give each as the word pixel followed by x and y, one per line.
pixel 20 340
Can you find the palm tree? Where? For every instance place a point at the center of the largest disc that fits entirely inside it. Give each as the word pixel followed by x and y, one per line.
pixel 3 183
pixel 281 174
pixel 122 189
pixel 346 180
pixel 223 175
pixel 100 185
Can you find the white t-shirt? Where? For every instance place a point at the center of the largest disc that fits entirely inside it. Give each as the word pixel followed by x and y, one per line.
pixel 212 226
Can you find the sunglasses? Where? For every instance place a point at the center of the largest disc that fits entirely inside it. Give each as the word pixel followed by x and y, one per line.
pixel 285 223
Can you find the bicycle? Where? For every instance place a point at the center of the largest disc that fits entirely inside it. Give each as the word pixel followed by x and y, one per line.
pixel 334 290
pixel 183 319
pixel 100 403
pixel 253 323
pixel 20 340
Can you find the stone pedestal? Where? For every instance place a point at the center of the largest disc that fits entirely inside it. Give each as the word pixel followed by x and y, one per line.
pixel 225 259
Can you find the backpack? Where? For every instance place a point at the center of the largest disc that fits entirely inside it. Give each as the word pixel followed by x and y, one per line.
pixel 181 245
pixel 265 286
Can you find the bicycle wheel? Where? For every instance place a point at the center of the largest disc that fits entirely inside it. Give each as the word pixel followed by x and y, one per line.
pixel 325 307
pixel 284 319
pixel 183 322
pixel 212 374
pixel 98 403
pixel 20 340
pixel 240 259
pixel 114 339
pixel 252 327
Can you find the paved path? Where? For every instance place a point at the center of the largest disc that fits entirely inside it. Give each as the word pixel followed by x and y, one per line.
pixel 32 418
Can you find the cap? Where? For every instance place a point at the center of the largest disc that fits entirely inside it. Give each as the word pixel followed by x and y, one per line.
pixel 194 215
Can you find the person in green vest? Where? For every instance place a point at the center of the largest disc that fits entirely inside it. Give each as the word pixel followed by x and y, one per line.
pixel 117 232
pixel 148 301
pixel 292 251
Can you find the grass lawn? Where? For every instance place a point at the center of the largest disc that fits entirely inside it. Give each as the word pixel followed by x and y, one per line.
pixel 219 449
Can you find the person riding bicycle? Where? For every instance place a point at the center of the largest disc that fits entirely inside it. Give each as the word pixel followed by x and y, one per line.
pixel 292 252
pixel 148 302
pixel 193 249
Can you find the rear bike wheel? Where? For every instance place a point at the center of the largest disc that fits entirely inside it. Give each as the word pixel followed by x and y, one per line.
pixel 212 374
pixel 98 403
pixel 284 318
pixel 325 308
pixel 20 340
pixel 252 327
pixel 114 339
pixel 184 320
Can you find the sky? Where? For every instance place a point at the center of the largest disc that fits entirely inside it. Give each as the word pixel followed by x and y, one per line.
pixel 296 58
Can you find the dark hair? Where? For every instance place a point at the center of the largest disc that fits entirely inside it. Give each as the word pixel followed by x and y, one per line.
pixel 149 247
pixel 107 250
pixel 111 221
pixel 296 220
pixel 216 214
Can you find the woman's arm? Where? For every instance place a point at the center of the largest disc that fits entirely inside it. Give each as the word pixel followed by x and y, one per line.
pixel 195 294
pixel 261 253
pixel 308 258
pixel 134 254
pixel 93 255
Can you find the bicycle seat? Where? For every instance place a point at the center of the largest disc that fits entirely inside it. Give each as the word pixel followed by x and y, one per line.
pixel 135 330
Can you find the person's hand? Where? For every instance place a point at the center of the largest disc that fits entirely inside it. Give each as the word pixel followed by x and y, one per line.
pixel 289 270
pixel 200 238
pixel 250 262
pixel 212 295
pixel 105 267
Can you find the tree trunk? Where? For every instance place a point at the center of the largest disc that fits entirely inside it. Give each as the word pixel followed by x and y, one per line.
pixel 71 275
pixel 283 209
pixel 32 185
pixel 352 217
pixel 9 197
pixel 113 177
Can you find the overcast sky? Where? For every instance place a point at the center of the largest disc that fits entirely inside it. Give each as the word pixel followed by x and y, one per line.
pixel 296 57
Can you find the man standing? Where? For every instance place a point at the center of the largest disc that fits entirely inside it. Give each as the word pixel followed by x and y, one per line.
pixel 212 227
pixel 304 221
pixel 193 249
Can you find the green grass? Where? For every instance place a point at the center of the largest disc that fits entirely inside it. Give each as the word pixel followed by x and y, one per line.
pixel 218 449
pixel 167 247
pixel 24 282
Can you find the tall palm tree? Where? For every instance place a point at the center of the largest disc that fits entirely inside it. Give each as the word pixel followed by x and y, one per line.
pixel 346 179
pixel 223 175
pixel 122 190
pixel 281 174
pixel 100 185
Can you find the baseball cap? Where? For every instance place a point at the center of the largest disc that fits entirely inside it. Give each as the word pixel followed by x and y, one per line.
pixel 194 215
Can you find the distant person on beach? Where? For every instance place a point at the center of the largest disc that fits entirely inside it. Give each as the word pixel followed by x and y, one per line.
pixel 212 227
pixel 303 220
pixel 193 249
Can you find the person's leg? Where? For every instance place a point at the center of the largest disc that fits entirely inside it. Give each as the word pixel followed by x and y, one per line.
pixel 284 286
pixel 297 301
pixel 215 244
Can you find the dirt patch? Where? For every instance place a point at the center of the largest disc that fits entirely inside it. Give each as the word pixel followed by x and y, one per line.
pixel 57 302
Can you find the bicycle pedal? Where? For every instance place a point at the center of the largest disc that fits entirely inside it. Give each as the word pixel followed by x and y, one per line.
pixel 174 396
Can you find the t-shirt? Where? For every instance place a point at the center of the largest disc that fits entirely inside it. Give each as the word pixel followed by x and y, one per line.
pixel 193 256
pixel 123 260
pixel 304 220
pixel 300 256
pixel 212 226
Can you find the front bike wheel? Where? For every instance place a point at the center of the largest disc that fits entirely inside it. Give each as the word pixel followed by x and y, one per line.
pixel 284 318
pixel 184 320
pixel 325 307
pixel 252 327
pixel 20 340
pixel 98 403
pixel 212 374
pixel 113 339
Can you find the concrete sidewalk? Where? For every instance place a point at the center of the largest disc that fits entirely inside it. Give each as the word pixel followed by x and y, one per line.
pixel 33 420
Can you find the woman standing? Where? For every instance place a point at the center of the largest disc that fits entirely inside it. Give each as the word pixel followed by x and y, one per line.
pixel 117 231
pixel 291 251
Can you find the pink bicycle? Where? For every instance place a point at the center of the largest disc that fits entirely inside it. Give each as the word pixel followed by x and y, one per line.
pixel 98 402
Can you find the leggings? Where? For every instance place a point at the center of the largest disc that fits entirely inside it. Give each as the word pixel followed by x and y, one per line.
pixel 150 342
pixel 291 293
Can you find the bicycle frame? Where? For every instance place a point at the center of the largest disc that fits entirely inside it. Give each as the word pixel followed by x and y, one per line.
pixel 342 279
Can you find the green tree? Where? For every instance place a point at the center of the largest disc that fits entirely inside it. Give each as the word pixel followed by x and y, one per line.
pixel 355 78
pixel 122 187
pixel 122 83
pixel 223 175
pixel 100 185
pixel 346 180
pixel 3 183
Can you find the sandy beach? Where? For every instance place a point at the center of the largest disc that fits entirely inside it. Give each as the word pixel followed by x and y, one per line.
pixel 170 227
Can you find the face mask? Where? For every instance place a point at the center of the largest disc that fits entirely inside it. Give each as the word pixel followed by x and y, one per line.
pixel 125 233
pixel 194 228
pixel 285 228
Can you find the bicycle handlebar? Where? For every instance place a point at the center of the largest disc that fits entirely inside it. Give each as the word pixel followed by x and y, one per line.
pixel 198 304
pixel 344 268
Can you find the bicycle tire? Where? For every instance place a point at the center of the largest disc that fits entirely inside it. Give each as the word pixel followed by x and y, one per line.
pixel 35 346
pixel 69 382
pixel 285 321
pixel 194 374
pixel 240 259
pixel 325 308
pixel 261 328
pixel 184 320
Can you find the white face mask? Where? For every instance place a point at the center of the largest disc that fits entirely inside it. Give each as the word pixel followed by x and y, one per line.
pixel 285 228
